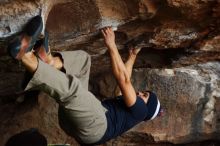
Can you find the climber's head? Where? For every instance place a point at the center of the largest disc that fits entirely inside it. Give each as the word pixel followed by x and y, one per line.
pixel 152 103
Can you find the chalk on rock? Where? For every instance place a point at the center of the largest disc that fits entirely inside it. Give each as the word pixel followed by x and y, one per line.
pixel 106 22
pixel 114 28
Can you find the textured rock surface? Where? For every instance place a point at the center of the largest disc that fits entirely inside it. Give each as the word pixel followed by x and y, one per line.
pixel 181 35
pixel 35 112
pixel 190 96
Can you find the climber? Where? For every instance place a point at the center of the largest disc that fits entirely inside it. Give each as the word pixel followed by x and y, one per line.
pixel 65 75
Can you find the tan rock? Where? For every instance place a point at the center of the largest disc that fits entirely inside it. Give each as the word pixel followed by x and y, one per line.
pixel 212 44
pixel 195 10
pixel 181 34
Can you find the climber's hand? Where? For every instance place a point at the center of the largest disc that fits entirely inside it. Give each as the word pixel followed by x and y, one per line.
pixel 109 37
pixel 134 51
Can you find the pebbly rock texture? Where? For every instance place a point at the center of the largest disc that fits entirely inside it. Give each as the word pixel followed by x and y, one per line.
pixel 175 36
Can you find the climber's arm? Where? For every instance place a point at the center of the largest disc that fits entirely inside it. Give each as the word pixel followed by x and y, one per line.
pixel 129 65
pixel 131 59
pixel 119 70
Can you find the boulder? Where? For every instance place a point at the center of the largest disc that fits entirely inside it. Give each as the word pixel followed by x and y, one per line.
pixel 190 96
pixel 179 60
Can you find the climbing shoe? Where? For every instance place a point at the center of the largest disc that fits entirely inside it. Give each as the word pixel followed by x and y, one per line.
pixel 41 49
pixel 31 31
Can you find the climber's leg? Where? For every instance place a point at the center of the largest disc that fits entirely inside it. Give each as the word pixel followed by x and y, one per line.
pixel 50 80
pixel 80 109
pixel 30 62
pixel 77 63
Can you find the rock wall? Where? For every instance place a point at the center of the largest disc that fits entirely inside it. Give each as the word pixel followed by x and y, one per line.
pixel 190 97
pixel 179 60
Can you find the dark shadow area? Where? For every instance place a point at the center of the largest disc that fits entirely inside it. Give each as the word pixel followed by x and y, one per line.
pixel 203 143
pixel 31 137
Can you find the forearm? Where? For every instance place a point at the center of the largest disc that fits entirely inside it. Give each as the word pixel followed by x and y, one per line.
pixel 130 63
pixel 129 67
pixel 122 76
pixel 118 67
